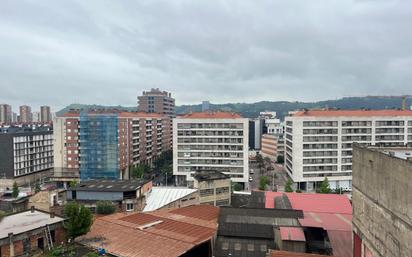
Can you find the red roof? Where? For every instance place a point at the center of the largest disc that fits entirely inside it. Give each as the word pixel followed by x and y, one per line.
pixel 158 233
pixel 327 221
pixel 210 115
pixel 292 234
pixel 340 241
pixel 331 203
pixel 353 113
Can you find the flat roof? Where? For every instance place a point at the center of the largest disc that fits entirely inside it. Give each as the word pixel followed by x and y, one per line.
pixel 162 196
pixel 25 221
pixel 102 185
pixel 352 113
pixel 210 115
pixel 203 175
pixel 401 153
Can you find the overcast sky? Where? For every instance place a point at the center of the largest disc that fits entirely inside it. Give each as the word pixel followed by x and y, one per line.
pixel 107 52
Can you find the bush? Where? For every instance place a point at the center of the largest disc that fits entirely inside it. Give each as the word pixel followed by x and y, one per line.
pixel 263 182
pixel 288 186
pixel 105 207
pixel 236 186
pixel 298 191
pixel 92 254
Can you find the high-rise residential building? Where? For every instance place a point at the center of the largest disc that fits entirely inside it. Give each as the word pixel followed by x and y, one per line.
pixel 107 144
pixel 381 198
pixel 214 141
pixel 14 118
pixel 269 146
pixel 205 106
pixel 6 115
pixel 157 101
pixel 25 151
pixel 25 114
pixel 45 114
pixel 35 117
pixel 319 142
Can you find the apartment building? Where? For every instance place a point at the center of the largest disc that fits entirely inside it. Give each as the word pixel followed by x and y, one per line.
pixel 25 151
pixel 45 114
pixel 25 114
pixel 6 114
pixel 157 101
pixel 106 144
pixel 381 198
pixel 319 142
pixel 269 146
pixel 215 141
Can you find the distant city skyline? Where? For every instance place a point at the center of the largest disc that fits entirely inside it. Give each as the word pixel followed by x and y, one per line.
pixel 226 51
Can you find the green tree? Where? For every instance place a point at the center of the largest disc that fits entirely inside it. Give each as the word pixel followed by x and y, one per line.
pixel 236 186
pixel 324 187
pixel 16 190
pixel 138 171
pixel 288 186
pixel 105 207
pixel 280 159
pixel 78 221
pixel 259 160
pixel 37 187
pixel 263 182
pixel 73 184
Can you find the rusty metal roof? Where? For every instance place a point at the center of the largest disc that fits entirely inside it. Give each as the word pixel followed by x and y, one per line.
pixel 163 233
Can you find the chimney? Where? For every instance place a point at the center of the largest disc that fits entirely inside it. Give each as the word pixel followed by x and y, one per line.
pixel 32 209
pixel 51 214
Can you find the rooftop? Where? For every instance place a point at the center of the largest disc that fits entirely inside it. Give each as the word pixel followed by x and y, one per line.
pixel 102 185
pixel 204 175
pixel 292 234
pixel 159 233
pixel 25 221
pixel 119 113
pixel 162 196
pixel 401 153
pixel 352 113
pixel 274 253
pixel 211 115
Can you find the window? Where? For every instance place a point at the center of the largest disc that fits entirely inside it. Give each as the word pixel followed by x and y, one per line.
pixel 206 192
pixel 129 207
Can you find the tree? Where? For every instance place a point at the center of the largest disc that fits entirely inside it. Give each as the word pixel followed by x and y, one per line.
pixel 236 186
pixel 288 186
pixel 79 220
pixel 138 171
pixel 263 182
pixel 280 159
pixel 259 160
pixel 16 191
pixel 37 187
pixel 105 207
pixel 73 184
pixel 324 187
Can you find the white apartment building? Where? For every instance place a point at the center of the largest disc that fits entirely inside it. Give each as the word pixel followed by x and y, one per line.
pixel 215 141
pixel 318 143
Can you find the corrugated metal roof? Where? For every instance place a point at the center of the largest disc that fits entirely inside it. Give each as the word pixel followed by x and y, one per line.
pixel 161 196
pixel 352 113
pixel 331 203
pixel 327 221
pixel 274 253
pixel 340 240
pixel 162 233
pixel 292 234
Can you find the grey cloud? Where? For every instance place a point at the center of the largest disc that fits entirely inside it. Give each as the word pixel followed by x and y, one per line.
pixel 107 52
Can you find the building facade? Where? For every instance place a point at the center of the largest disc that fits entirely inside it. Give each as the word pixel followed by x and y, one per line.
pixel 6 115
pixel 269 146
pixel 214 187
pixel 157 101
pixel 45 114
pixel 319 142
pixel 25 151
pixel 25 114
pixel 256 129
pixel 381 198
pixel 106 144
pixel 215 141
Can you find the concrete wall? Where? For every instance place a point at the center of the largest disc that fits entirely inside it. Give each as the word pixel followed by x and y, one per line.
pixel 382 203
pixel 214 184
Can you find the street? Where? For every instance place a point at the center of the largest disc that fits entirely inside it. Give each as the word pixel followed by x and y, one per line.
pixel 278 171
